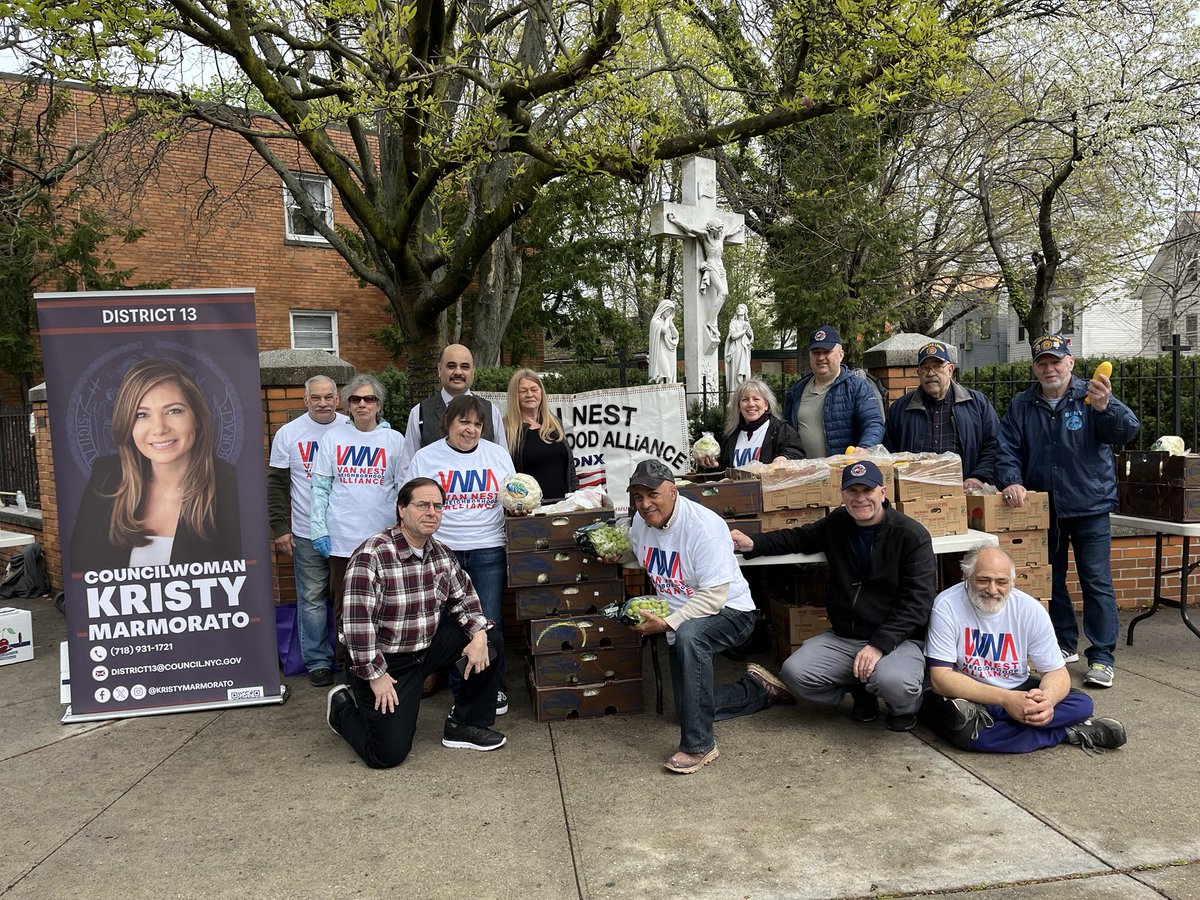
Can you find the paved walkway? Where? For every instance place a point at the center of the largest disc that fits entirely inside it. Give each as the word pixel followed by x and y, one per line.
pixel 267 802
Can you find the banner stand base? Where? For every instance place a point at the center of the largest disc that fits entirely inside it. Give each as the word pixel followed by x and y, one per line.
pixel 70 717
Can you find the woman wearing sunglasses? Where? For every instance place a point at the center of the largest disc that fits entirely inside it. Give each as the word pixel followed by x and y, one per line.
pixel 355 480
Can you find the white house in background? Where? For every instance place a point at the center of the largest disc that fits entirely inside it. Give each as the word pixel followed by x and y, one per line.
pixel 1169 293
pixel 1108 325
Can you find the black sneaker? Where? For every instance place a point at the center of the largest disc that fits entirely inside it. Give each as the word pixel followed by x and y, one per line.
pixel 320 677
pixel 337 700
pixel 1097 735
pixel 458 736
pixel 866 705
pixel 901 721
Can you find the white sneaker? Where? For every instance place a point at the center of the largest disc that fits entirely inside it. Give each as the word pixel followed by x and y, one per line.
pixel 1069 656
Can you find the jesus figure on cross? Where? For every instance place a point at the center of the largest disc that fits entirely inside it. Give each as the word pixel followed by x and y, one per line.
pixel 712 269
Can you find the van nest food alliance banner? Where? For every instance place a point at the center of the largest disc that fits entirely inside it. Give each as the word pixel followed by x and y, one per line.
pixel 156 421
pixel 611 431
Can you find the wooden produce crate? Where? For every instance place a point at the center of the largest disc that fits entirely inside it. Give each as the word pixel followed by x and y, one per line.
pixel 1159 467
pixel 748 527
pixel 567 599
pixel 549 532
pixel 1027 548
pixel 989 512
pixel 578 633
pixel 528 568
pixel 1166 502
pixel 585 701
pixel 586 666
pixel 728 499
pixel 940 516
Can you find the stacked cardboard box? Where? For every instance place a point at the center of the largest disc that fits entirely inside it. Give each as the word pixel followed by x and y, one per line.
pixel 581 664
pixel 1022 531
pixel 930 490
pixel 1157 485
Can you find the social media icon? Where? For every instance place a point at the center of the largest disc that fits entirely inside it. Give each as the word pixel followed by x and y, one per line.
pixel 102 695
pixel 138 692
pixel 120 693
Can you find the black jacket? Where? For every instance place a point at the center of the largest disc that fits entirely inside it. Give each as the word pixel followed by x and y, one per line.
pixel 890 601
pixel 780 440
pixel 91 549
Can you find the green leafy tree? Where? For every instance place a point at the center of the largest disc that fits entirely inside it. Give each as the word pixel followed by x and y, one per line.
pixel 439 124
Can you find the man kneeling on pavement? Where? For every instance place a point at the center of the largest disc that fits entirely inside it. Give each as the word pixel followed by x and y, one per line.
pixel 982 635
pixel 881 585
pixel 410 609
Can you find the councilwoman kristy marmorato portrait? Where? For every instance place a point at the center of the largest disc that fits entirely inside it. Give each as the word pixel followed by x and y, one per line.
pixel 164 496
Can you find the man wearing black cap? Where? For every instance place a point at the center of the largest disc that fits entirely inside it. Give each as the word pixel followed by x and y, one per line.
pixel 881 586
pixel 686 553
pixel 1057 437
pixel 942 416
pixel 831 407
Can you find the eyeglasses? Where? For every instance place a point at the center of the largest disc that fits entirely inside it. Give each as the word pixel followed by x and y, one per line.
pixel 360 398
pixel 426 505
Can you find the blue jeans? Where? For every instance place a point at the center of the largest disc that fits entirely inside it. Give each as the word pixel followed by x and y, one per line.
pixel 696 700
pixel 312 604
pixel 486 569
pixel 1091 539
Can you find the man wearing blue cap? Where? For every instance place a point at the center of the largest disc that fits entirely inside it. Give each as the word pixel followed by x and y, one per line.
pixel 831 407
pixel 881 586
pixel 942 416
pixel 1057 437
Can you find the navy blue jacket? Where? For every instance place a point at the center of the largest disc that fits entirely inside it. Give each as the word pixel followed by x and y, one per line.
pixel 975 423
pixel 852 413
pixel 1066 451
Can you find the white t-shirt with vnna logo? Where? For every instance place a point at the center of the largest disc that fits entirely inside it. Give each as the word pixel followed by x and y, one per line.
pixel 295 448
pixel 472 518
pixel 365 466
pixel 994 649
pixel 693 553
pixel 749 449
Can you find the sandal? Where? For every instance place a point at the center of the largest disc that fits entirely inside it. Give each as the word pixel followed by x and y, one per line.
pixel 687 763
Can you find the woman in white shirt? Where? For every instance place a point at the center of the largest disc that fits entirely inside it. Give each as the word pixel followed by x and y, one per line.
pixel 470 471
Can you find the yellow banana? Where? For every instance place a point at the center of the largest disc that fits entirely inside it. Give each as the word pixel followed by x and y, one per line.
pixel 1105 369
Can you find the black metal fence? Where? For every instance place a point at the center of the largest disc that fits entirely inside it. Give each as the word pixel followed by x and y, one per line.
pixel 18 458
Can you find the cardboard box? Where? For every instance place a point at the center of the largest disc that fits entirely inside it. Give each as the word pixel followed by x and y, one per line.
pixel 16 635
pixel 1027 548
pixel 819 493
pixel 940 516
pixel 796 624
pixel 989 512
pixel 1036 581
pixel 929 479
pixel 792 518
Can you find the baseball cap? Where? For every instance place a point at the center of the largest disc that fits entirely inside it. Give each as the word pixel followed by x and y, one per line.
pixel 934 350
pixel 650 473
pixel 1051 343
pixel 862 472
pixel 824 338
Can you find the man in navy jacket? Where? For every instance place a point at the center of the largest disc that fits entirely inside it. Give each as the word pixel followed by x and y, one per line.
pixel 942 416
pixel 831 407
pixel 1057 437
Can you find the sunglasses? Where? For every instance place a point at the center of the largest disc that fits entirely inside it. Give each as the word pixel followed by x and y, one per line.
pixel 360 398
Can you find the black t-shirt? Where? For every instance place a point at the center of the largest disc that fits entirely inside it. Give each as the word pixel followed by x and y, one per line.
pixel 547 463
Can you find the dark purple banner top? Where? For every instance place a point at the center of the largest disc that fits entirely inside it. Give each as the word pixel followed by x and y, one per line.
pixel 156 421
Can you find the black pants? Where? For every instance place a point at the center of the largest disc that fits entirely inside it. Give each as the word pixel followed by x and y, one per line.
pixel 383 739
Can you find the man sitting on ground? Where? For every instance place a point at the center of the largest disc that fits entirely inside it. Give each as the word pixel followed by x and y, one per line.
pixel 982 635
pixel 409 609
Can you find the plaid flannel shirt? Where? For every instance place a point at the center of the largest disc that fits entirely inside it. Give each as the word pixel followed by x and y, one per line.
pixel 394 599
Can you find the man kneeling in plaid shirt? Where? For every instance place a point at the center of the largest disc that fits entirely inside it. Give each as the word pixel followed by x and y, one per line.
pixel 398 585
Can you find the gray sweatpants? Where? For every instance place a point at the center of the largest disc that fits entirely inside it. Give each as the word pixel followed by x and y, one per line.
pixel 822 670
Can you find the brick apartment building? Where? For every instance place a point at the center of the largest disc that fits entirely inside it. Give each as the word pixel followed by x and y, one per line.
pixel 214 215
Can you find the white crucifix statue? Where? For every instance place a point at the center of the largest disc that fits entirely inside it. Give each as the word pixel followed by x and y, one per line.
pixel 704 230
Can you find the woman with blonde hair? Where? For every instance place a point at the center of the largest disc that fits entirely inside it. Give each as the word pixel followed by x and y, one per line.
pixel 536 438
pixel 754 430
pixel 164 496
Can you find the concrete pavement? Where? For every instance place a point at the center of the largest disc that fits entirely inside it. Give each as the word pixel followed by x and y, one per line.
pixel 267 802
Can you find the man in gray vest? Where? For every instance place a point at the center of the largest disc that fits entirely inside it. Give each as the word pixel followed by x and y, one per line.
pixel 456 371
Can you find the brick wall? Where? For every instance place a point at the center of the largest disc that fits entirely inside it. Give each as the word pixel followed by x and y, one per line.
pixel 280 406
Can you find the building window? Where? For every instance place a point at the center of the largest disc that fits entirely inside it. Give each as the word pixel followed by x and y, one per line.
pixel 1164 331
pixel 1192 332
pixel 320 195
pixel 1068 318
pixel 314 329
pixel 1020 332
pixel 985 328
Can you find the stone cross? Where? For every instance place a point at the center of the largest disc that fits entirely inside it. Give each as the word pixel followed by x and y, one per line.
pixel 704 283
